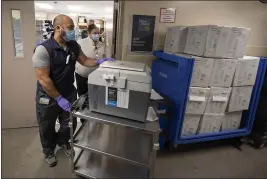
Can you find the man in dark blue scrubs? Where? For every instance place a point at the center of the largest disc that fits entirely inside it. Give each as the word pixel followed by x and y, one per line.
pixel 54 62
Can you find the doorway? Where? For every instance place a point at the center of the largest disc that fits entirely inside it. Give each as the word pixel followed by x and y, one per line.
pixel 22 19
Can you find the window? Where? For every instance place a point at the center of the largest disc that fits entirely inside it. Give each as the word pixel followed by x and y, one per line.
pixel 16 27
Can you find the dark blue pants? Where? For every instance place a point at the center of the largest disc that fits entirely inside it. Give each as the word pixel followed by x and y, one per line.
pixel 46 117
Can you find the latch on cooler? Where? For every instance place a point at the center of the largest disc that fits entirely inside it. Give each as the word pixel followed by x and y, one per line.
pixel 121 81
pixel 109 78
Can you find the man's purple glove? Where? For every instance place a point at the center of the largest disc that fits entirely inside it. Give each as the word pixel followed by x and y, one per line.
pixel 63 103
pixel 101 60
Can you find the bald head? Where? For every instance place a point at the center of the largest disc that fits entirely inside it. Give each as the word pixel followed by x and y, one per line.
pixel 62 20
pixel 62 24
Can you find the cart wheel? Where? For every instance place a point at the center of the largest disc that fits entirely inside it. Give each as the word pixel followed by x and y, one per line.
pixel 80 177
pixel 172 146
pixel 237 143
pixel 259 145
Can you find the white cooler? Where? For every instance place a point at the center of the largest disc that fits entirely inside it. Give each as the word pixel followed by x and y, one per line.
pixel 120 88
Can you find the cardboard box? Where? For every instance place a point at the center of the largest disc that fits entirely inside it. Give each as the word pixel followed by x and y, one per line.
pixel 202 71
pixel 218 100
pixel 240 98
pixel 223 72
pixel 197 100
pixel 231 121
pixel 237 42
pixel 210 123
pixel 175 39
pixel 196 40
pixel 190 124
pixel 217 41
pixel 246 71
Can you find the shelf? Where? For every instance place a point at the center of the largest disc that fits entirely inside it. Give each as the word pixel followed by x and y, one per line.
pixel 115 142
pixel 148 127
pixel 93 165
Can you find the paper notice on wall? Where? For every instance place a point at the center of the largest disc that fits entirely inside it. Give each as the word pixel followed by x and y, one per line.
pixel 167 15
pixel 117 97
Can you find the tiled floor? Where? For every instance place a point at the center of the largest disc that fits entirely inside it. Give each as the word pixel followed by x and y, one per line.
pixel 22 157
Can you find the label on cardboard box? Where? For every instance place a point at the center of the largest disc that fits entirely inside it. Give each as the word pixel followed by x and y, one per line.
pixel 246 71
pixel 196 40
pixel 202 71
pixel 197 100
pixel 231 121
pixel 210 123
pixel 238 40
pixel 218 100
pixel 190 124
pixel 240 98
pixel 175 39
pixel 217 41
pixel 223 72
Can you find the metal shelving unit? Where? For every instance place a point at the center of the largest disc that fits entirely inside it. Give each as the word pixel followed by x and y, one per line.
pixel 111 147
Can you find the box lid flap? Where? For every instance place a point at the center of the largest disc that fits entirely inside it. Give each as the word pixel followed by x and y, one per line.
pixel 124 65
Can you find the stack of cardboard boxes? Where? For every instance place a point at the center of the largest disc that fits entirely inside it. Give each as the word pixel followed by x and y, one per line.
pixel 222 78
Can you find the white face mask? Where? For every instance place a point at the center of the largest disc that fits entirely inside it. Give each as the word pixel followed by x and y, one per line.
pixel 95 37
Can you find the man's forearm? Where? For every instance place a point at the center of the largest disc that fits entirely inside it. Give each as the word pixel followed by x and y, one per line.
pixel 88 62
pixel 49 87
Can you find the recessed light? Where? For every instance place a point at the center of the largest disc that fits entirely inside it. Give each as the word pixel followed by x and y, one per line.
pixel 73 8
pixel 44 6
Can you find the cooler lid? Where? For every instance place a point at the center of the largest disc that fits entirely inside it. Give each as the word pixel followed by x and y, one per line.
pixel 124 65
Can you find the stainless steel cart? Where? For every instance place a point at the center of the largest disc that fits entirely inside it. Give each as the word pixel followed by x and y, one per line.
pixel 112 147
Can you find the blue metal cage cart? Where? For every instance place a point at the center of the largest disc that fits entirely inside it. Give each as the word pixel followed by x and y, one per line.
pixel 171 76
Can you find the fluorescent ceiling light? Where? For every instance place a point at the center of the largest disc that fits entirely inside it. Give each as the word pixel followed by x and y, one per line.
pixel 73 8
pixel 44 6
pixel 109 9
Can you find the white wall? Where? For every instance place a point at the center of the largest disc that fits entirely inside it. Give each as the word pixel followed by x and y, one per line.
pixel 18 76
pixel 109 32
pixel 252 14
pixel 51 16
pixel 40 15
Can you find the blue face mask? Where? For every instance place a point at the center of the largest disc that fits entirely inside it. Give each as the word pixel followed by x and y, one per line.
pixel 95 37
pixel 70 35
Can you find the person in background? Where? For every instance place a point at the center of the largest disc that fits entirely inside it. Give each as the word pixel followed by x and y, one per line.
pixel 84 33
pixel 91 21
pixel 92 48
pixel 54 62
pixel 102 32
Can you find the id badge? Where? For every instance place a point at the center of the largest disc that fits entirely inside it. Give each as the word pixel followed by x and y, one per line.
pixel 67 59
pixel 44 101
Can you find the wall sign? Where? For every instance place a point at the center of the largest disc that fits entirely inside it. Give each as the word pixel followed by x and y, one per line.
pixel 142 33
pixel 167 15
